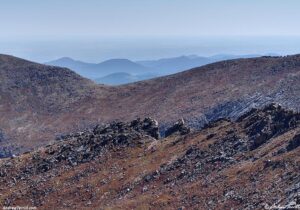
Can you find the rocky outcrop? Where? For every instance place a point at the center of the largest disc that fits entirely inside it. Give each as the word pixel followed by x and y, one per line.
pixel 294 143
pixel 123 166
pixel 6 152
pixel 178 128
pixel 82 147
pixel 261 125
pixel 148 126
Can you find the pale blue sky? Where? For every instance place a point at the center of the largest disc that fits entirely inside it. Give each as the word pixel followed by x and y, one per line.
pixel 95 30
pixel 82 18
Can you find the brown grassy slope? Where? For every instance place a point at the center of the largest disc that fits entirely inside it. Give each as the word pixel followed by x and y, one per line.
pixel 50 103
pixel 190 93
pixel 219 167
pixel 34 96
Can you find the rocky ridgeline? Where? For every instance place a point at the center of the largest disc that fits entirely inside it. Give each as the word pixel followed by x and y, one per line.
pixel 197 163
pixel 273 120
pixel 259 127
pixel 202 157
pixel 84 146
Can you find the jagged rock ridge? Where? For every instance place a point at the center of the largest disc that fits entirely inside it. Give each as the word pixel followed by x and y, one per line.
pixel 124 166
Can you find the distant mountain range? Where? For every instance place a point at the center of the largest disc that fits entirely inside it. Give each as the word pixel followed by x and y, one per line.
pixel 94 71
pixel 177 64
pixel 123 71
pixel 121 78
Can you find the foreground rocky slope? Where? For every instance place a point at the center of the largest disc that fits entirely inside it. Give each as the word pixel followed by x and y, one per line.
pixel 244 164
pixel 40 102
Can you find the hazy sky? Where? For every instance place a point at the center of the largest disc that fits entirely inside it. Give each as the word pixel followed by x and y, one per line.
pixel 94 30
pixel 75 18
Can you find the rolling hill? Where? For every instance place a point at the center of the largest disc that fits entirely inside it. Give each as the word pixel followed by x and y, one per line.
pixel 40 102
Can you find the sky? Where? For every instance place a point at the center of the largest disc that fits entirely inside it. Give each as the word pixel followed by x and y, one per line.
pixel 30 28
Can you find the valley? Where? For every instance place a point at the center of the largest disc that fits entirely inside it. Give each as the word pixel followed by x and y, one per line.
pixel 39 102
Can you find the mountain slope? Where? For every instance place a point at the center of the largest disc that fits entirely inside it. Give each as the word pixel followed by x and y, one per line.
pixel 251 163
pixel 33 96
pixel 222 89
pixel 200 95
pixel 44 88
